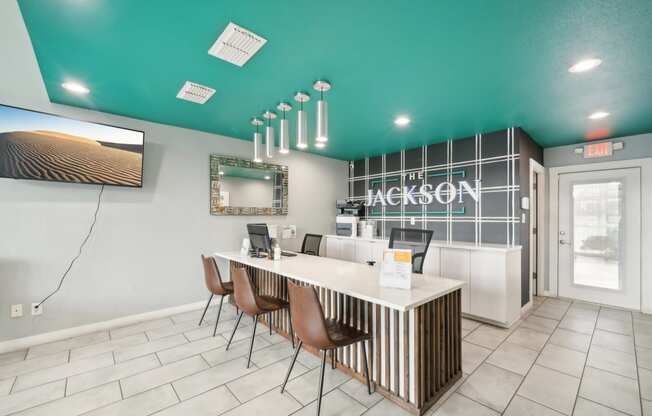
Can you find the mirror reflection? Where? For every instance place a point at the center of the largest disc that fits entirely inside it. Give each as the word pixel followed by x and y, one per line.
pixel 247 187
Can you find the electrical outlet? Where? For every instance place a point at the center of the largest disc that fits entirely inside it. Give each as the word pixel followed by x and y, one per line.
pixel 35 310
pixel 413 221
pixel 16 311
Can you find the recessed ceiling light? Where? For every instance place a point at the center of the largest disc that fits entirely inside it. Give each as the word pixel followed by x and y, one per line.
pixel 402 121
pixel 598 115
pixel 585 65
pixel 75 87
pixel 320 145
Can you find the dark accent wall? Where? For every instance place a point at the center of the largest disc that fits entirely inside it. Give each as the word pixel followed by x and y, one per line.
pixel 500 160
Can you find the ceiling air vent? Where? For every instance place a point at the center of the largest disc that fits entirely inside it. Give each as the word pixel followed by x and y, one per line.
pixel 236 45
pixel 195 92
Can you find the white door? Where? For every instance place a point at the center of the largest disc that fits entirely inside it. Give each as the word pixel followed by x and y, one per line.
pixel 599 237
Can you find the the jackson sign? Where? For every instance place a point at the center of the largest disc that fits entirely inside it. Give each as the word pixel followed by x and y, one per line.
pixel 444 193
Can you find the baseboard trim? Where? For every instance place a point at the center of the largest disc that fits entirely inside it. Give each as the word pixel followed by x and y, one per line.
pixel 46 337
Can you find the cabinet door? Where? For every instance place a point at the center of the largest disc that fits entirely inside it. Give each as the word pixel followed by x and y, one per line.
pixel 488 289
pixel 455 264
pixel 363 251
pixel 347 249
pixel 333 247
pixel 377 249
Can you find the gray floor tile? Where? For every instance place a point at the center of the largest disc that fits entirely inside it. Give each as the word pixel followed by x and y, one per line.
pixel 67 344
pixel 469 324
pixel 472 356
pixel 491 386
pixel 642 327
pixel 162 375
pixel 513 357
pixel 47 375
pixel 615 325
pixel 528 338
pixel 79 403
pixel 611 390
pixel 647 408
pixel 335 403
pixel 129 353
pixel 520 406
pixel 644 357
pixel 105 375
pixel 570 339
pixel 551 311
pixel 308 359
pixel 211 403
pixel 35 364
pixel 224 327
pixel 585 407
pixel 188 350
pixel 260 381
pixel 304 388
pixel 581 325
pixel 550 388
pixel 358 390
pixel 175 329
pixel 458 405
pixel 106 346
pixel 5 386
pixel 540 324
pixel 563 360
pixel 487 336
pixel 610 340
pixel 12 357
pixel 386 408
pixel 139 327
pixel 140 405
pixel 614 361
pixel 238 349
pixel 283 405
pixel 644 340
pixel 32 397
pixel 215 376
pixel 272 354
pixel 645 379
pixel 618 314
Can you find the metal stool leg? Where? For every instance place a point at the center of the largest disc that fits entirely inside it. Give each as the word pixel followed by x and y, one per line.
pixel 219 312
pixel 333 353
pixel 205 309
pixel 251 346
pixel 294 359
pixel 366 366
pixel 291 329
pixel 269 321
pixel 228 344
pixel 321 380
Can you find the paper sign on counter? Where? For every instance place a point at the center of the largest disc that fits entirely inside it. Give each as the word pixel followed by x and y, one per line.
pixel 396 269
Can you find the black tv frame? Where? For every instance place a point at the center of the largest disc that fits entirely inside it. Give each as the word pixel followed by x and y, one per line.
pixel 142 165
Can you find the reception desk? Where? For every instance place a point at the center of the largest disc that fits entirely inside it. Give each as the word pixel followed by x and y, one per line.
pixel 415 353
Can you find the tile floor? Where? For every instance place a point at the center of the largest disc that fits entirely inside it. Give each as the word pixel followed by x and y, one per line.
pixel 563 358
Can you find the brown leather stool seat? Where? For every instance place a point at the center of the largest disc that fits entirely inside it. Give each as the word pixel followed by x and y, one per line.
pixel 215 285
pixel 255 305
pixel 318 332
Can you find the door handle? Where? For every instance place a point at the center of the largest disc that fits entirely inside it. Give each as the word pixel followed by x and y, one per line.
pixel 562 242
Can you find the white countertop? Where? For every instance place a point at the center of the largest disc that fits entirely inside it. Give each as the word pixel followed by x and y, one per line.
pixel 354 279
pixel 441 243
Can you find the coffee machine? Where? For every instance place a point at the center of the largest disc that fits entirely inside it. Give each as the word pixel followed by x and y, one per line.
pixel 346 222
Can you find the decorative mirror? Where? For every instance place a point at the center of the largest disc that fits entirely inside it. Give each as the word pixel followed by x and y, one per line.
pixel 243 187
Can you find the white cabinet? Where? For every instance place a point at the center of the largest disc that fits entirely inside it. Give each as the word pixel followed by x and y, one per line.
pixel 456 264
pixel 369 250
pixel 342 248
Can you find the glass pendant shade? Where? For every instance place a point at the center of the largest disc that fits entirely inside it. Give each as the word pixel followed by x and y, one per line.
pixel 322 121
pixel 269 141
pixel 258 138
pixel 284 137
pixel 302 129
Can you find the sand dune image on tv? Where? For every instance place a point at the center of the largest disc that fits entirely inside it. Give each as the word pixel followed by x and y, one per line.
pixel 64 150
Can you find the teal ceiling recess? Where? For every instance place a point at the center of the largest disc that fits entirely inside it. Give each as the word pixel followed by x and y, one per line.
pixel 456 68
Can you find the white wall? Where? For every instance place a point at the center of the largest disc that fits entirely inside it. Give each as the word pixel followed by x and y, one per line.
pixel 637 152
pixel 144 253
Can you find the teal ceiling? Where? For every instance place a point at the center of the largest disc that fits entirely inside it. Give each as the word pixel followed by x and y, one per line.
pixel 454 67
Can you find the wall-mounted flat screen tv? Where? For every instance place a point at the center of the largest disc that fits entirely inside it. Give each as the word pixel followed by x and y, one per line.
pixel 41 146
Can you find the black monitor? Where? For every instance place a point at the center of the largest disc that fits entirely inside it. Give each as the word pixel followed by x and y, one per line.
pixel 259 238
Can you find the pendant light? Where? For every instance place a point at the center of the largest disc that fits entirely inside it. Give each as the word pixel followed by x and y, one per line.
pixel 322 111
pixel 302 120
pixel 269 133
pixel 284 129
pixel 258 138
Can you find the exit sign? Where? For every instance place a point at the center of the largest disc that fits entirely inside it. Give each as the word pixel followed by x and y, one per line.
pixel 603 149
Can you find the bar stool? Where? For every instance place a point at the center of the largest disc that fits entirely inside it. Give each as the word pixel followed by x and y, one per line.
pixel 318 332
pixel 311 243
pixel 214 285
pixel 254 305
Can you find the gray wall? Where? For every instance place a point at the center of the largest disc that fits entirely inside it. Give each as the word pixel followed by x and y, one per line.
pixel 144 253
pixel 636 147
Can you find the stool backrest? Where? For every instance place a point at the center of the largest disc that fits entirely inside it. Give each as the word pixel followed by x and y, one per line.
pixel 311 243
pixel 212 276
pixel 243 291
pixel 307 316
pixel 414 240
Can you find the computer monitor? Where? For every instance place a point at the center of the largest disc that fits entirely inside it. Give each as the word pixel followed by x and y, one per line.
pixel 259 238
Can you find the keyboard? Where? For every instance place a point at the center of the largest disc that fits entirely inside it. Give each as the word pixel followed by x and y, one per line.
pixel 288 254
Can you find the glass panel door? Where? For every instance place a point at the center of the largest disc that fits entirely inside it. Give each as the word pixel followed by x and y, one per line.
pixel 597 217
